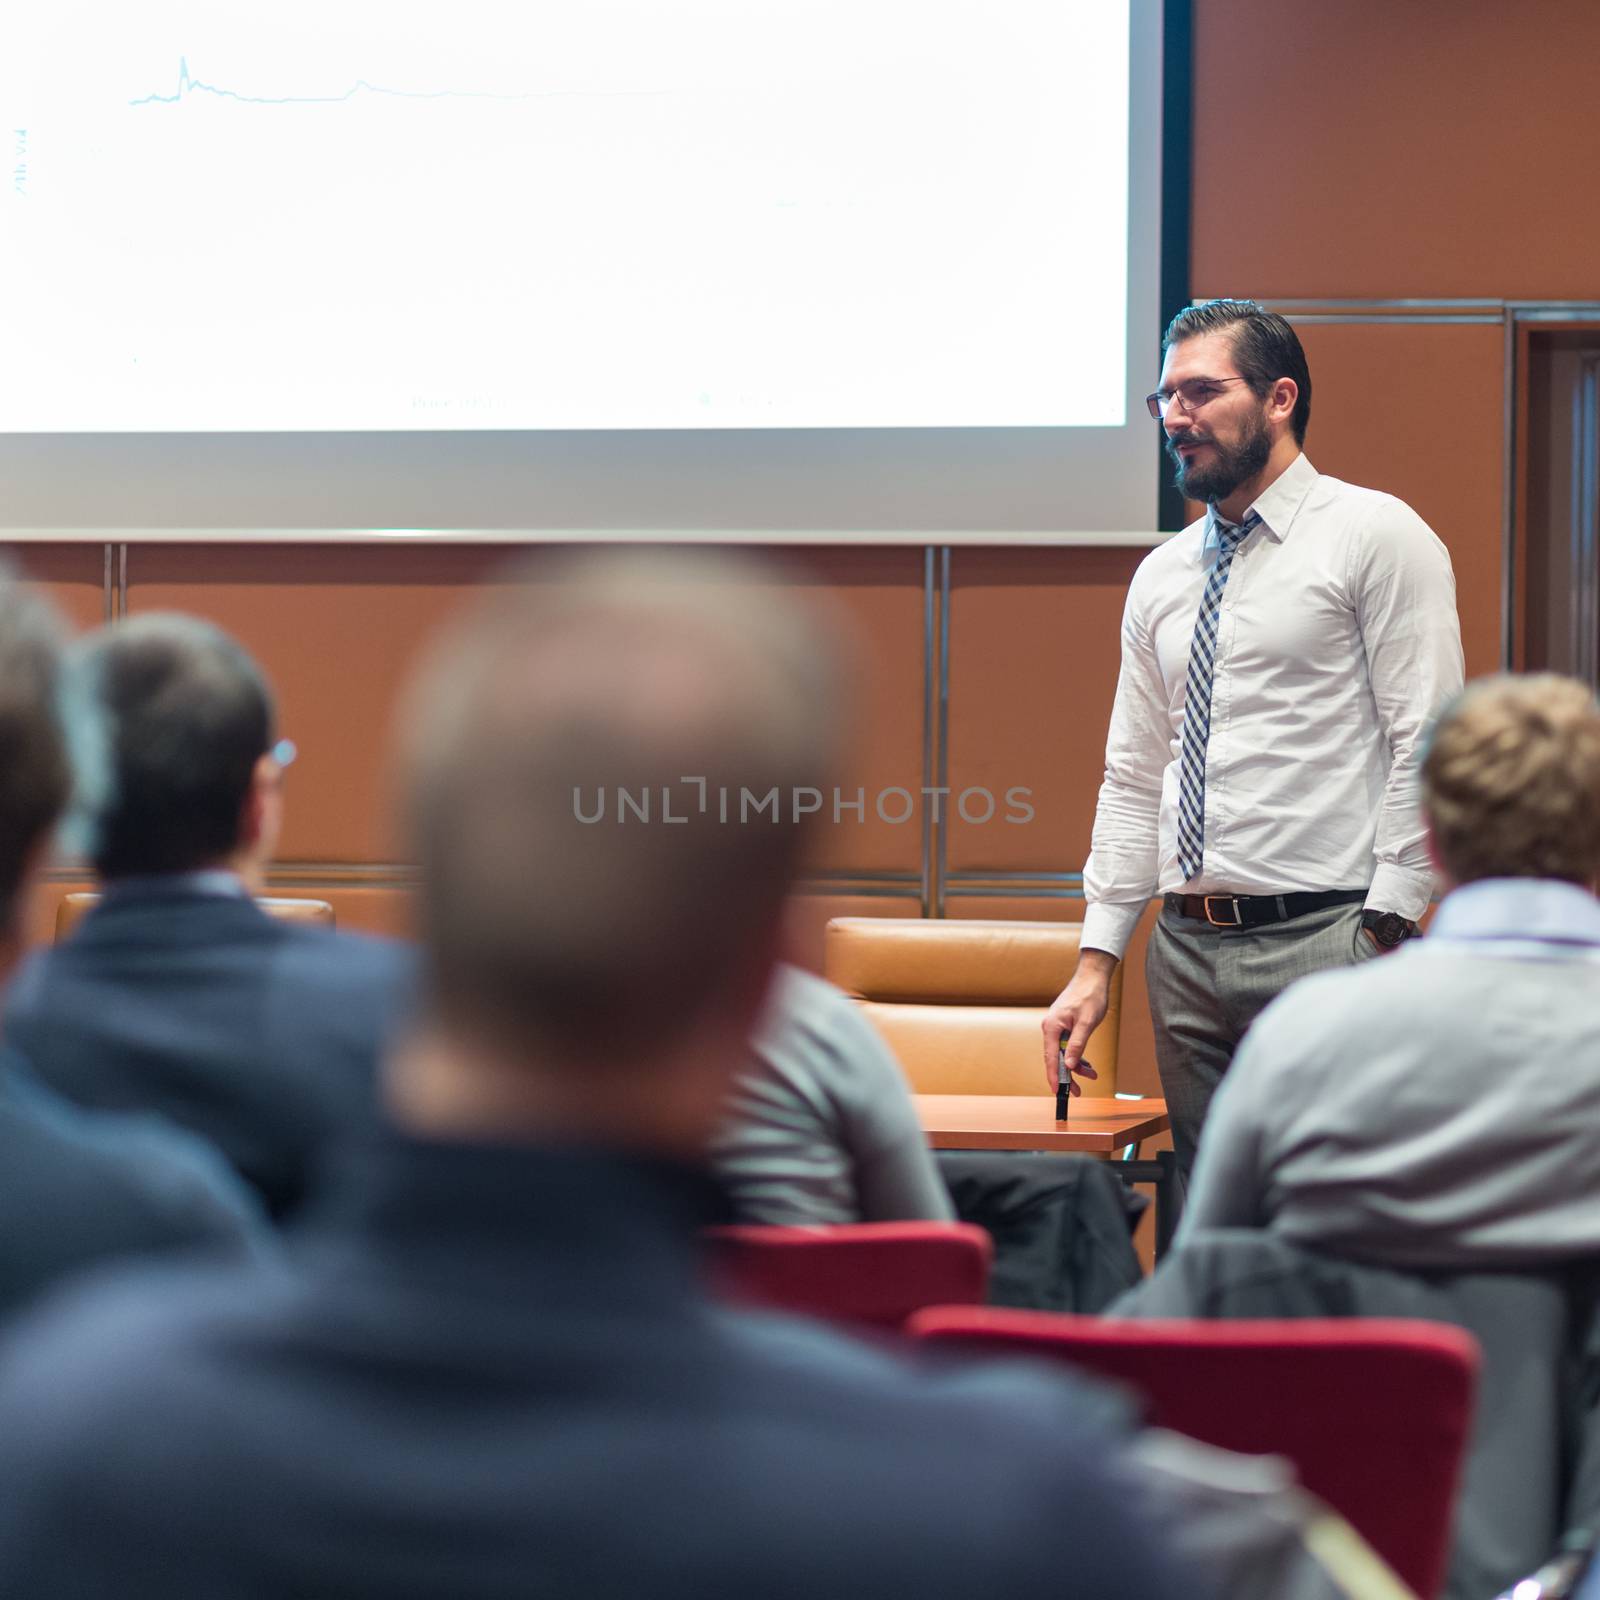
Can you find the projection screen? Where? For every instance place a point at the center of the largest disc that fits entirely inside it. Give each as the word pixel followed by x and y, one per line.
pixel 871 268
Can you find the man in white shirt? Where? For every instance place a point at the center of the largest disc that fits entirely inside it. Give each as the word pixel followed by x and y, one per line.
pixel 1280 659
pixel 1442 1110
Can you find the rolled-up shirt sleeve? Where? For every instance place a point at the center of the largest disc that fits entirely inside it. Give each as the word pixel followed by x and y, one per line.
pixel 1405 595
pixel 1124 857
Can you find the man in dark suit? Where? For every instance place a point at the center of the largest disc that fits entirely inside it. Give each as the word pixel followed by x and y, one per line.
pixel 491 1370
pixel 77 1189
pixel 177 994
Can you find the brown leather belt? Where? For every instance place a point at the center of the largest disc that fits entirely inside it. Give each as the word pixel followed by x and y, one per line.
pixel 1257 910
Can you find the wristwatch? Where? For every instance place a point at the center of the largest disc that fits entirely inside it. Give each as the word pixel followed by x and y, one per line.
pixel 1389 928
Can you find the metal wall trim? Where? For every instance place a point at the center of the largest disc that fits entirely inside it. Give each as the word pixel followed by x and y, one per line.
pixel 868 891
pixel 973 875
pixel 943 780
pixel 342 874
pixel 1407 303
pixel 929 678
pixel 108 590
pixel 904 880
pixel 1508 499
pixel 1458 319
pixel 401 874
pixel 1585 616
pixel 1012 892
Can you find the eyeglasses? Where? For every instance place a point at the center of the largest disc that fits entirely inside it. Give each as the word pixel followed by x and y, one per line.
pixel 1194 394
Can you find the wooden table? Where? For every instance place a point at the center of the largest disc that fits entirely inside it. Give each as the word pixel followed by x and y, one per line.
pixel 1098 1126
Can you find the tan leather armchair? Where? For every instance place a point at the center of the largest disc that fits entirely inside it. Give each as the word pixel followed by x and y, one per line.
pixel 314 913
pixel 960 1002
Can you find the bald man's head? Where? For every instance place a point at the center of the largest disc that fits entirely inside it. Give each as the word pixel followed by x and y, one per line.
pixel 579 753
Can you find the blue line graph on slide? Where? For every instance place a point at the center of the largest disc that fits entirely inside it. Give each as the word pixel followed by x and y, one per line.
pixel 188 85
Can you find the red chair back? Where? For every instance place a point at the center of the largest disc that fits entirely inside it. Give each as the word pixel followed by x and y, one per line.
pixel 872 1274
pixel 1373 1412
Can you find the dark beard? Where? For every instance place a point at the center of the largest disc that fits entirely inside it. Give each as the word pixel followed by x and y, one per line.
pixel 1230 467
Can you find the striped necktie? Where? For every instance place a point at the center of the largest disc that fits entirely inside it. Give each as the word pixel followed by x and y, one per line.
pixel 1197 705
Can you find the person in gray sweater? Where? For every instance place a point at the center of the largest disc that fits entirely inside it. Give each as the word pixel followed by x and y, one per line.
pixel 821 1127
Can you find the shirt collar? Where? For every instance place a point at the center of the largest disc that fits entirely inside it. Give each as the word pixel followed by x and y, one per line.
pixel 211 881
pixel 1542 910
pixel 543 1216
pixel 1277 504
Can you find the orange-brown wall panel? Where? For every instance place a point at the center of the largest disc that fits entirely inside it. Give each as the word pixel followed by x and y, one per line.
pixel 1033 669
pixel 337 629
pixel 73 575
pixel 340 628
pixel 809 912
pixel 1417 411
pixel 1363 148
pixel 389 909
pixel 879 594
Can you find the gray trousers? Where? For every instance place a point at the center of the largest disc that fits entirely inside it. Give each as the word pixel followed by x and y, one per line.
pixel 1207 985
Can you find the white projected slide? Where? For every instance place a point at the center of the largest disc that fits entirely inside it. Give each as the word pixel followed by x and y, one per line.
pixel 557 214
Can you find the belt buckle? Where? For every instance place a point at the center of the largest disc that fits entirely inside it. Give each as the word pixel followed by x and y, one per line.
pixel 1233 900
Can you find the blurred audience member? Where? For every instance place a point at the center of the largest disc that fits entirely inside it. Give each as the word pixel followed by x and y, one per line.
pixel 177 994
pixel 821 1127
pixel 76 1188
pixel 1442 1107
pixel 493 1371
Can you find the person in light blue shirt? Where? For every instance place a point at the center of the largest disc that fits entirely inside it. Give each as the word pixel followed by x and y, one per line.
pixel 1442 1108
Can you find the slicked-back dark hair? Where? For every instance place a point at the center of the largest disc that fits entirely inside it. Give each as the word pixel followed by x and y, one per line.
pixel 1265 348
pixel 188 715
pixel 35 776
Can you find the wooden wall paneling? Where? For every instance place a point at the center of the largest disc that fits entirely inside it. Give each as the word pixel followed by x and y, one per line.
pixel 73 575
pixel 337 630
pixel 880 595
pixel 811 908
pixel 1365 149
pixel 1033 657
pixel 388 909
pixel 1418 410
pixel 1550 354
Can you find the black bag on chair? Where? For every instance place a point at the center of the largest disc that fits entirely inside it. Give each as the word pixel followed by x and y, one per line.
pixel 1062 1226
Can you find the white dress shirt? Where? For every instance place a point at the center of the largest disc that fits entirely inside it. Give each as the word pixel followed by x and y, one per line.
pixel 1336 643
